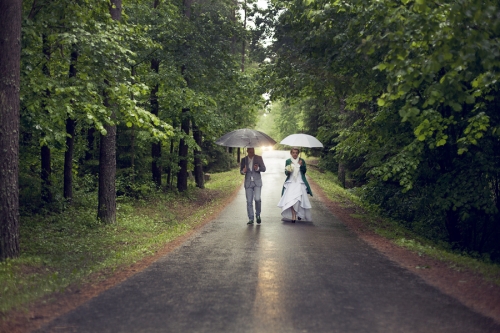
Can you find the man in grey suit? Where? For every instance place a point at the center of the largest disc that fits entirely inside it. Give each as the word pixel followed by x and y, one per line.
pixel 251 166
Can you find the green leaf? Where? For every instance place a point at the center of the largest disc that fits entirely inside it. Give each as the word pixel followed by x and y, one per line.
pixel 470 99
pixel 448 56
pixel 441 142
pixel 456 106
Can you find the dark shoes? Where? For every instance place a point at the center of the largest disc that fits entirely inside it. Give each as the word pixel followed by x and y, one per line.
pixel 293 221
pixel 258 220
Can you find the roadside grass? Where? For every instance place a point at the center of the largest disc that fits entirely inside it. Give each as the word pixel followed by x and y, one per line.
pixel 70 248
pixel 390 229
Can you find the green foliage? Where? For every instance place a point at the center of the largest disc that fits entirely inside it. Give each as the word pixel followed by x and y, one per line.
pixel 218 159
pixel 404 97
pixel 80 64
pixel 418 237
pixel 49 95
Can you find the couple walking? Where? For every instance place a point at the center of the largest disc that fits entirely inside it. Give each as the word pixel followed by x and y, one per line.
pixel 294 202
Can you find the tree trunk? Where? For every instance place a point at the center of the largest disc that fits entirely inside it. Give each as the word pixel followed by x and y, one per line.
pixel 233 18
pixel 115 9
pixel 182 175
pixel 46 170
pixel 341 173
pixel 187 7
pixel 156 146
pixel 106 210
pixel 70 140
pixel 169 169
pixel 132 135
pixel 90 144
pixel 45 173
pixel 496 193
pixel 452 221
pixel 243 47
pixel 132 155
pixel 10 60
pixel 155 164
pixel 238 155
pixel 68 159
pixel 198 162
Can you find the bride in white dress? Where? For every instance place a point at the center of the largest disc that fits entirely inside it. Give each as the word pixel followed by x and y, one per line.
pixel 294 201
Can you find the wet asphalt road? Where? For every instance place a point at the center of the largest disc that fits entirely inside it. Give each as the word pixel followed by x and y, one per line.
pixel 277 277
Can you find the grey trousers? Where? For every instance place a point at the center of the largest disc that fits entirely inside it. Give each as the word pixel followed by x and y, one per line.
pixel 253 194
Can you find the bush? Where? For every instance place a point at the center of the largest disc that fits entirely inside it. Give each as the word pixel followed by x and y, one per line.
pixel 218 160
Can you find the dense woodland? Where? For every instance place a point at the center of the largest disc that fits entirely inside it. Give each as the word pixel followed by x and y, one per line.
pixel 405 95
pixel 125 97
pixel 117 97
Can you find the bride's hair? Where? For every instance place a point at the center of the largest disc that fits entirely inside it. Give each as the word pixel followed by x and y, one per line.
pixel 294 148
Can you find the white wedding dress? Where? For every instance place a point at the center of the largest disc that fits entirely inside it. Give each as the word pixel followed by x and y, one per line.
pixel 295 195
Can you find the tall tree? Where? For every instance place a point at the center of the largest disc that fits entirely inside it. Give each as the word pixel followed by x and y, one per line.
pixel 46 165
pixel 244 41
pixel 155 146
pixel 106 210
pixel 10 59
pixel 70 139
pixel 182 174
pixel 198 161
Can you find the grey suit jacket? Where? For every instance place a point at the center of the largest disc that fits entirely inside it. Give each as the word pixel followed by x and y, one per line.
pixel 257 178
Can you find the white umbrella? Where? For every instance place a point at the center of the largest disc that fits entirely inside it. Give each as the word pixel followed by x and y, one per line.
pixel 302 140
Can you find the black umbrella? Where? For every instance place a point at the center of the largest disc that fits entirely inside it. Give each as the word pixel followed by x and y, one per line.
pixel 245 138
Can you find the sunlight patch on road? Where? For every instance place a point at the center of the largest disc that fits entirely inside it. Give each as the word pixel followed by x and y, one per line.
pixel 270 300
